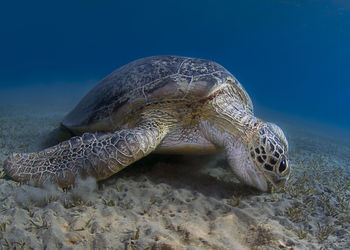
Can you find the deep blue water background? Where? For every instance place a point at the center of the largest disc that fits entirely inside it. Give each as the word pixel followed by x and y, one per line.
pixel 292 57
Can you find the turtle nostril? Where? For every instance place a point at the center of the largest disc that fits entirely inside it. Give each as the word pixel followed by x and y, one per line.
pixel 283 165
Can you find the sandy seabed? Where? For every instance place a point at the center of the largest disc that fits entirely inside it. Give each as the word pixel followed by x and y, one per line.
pixel 176 202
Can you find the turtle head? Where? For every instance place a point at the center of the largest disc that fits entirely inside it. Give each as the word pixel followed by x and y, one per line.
pixel 262 159
pixel 268 151
pixel 257 153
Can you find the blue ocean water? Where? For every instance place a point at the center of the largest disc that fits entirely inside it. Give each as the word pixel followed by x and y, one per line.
pixel 291 56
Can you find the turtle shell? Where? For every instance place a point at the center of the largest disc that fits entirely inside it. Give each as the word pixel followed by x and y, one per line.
pixel 145 81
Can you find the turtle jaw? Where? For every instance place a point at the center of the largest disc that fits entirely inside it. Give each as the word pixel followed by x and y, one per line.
pixel 263 180
pixel 275 180
pixel 248 174
pixel 243 166
pixel 257 180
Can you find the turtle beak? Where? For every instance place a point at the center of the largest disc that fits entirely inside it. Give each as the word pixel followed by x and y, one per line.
pixel 276 180
pixel 244 168
pixel 248 174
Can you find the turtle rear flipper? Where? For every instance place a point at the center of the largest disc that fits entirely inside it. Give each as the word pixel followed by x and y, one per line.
pixel 99 155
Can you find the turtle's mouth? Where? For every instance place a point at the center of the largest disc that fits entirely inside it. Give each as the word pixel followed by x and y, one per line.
pixel 264 181
pixel 244 168
pixel 274 180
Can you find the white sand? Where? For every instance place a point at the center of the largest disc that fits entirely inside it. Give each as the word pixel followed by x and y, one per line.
pixel 176 202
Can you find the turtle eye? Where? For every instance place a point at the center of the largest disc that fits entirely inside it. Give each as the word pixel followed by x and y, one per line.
pixel 283 165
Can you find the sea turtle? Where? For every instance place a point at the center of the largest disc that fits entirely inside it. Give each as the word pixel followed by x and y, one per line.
pixel 161 104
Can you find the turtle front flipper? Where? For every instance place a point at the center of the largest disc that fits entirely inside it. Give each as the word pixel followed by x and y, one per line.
pixel 99 155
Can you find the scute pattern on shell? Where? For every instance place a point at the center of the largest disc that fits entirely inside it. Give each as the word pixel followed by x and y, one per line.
pixel 154 77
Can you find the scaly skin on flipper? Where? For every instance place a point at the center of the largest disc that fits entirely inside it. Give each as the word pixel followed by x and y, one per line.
pixel 99 155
